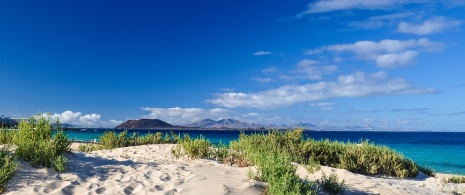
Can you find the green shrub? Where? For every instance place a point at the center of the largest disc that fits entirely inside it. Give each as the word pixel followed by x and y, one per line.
pixel 331 185
pixel 6 136
pixel 427 171
pixel 196 148
pixel 8 167
pixel 311 166
pixel 59 163
pixel 272 154
pixel 35 142
pixel 457 179
pixel 369 159
pixel 87 148
pixel 111 139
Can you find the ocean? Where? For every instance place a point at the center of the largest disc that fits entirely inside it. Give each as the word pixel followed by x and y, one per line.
pixel 442 151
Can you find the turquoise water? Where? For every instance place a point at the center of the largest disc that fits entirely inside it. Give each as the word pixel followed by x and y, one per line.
pixel 442 151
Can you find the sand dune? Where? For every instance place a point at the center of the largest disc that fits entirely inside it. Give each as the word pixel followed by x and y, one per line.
pixel 149 169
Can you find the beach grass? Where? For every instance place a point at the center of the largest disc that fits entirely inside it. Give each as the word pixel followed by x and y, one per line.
pixel 331 185
pixel 8 166
pixel 35 143
pixel 456 179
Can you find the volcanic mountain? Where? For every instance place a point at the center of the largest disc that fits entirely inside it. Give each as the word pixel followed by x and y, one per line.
pixel 144 124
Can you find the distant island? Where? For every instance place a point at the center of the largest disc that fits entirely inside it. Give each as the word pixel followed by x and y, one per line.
pixel 206 124
pixel 232 124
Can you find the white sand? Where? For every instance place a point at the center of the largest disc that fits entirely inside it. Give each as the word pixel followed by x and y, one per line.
pixel 150 169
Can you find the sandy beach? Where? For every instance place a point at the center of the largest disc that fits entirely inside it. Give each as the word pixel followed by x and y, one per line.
pixel 150 169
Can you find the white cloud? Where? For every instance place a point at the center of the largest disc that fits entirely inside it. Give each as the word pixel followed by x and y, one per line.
pixel 357 85
pixel 386 53
pixel 431 26
pixel 338 5
pixel 262 53
pixel 180 116
pixel 312 72
pixel 270 70
pixel 375 22
pixel 262 80
pixel 88 120
pixel 394 60
pixel 322 104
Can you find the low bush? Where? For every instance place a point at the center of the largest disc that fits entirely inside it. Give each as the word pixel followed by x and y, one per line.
pixel 196 148
pixel 456 179
pixel 369 159
pixel 8 167
pixel 111 139
pixel 6 136
pixel 87 148
pixel 427 171
pixel 36 143
pixel 331 184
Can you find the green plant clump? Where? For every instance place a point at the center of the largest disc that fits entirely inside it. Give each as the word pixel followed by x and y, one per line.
pixel 8 167
pixel 427 171
pixel 331 185
pixel 36 144
pixel 111 139
pixel 457 179
pixel 6 136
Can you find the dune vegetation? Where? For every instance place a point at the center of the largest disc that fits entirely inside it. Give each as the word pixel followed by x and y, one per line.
pixel 273 154
pixel 34 141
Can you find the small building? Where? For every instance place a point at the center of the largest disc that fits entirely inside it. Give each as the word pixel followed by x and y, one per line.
pixel 8 122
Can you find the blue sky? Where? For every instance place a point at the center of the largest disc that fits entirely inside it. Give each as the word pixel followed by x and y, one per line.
pixel 392 64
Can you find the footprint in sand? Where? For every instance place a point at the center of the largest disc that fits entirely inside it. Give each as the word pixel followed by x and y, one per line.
pixel 165 177
pixel 100 190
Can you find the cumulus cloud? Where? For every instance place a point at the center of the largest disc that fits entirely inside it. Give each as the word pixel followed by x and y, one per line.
pixel 262 53
pixel 393 60
pixel 180 116
pixel 431 26
pixel 338 5
pixel 386 53
pixel 359 84
pixel 87 120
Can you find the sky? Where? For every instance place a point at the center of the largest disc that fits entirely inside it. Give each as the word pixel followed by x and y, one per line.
pixel 390 64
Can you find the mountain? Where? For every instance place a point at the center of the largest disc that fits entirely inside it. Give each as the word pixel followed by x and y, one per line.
pixel 65 125
pixel 203 123
pixel 225 123
pixel 144 124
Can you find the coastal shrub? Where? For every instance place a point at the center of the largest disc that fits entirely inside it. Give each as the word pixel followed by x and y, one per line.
pixel 427 171
pixel 8 166
pixel 364 157
pixel 273 163
pixel 369 159
pixel 59 163
pixel 6 136
pixel 111 139
pixel 457 179
pixel 36 144
pixel 87 148
pixel 196 148
pixel 311 166
pixel 324 152
pixel 331 184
